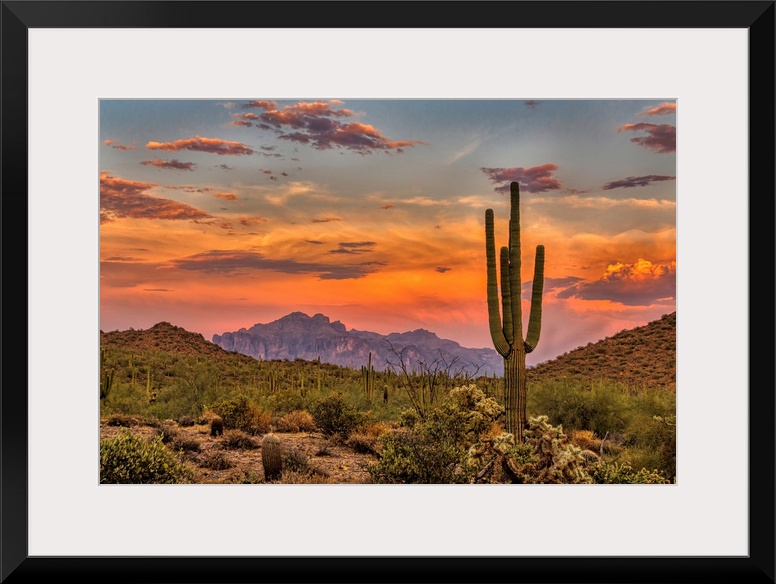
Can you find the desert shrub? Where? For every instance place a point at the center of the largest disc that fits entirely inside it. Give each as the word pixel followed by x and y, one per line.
pixel 435 450
pixel 175 441
pixel 362 443
pixel 252 478
pixel 608 472
pixel 600 409
pixel 365 437
pixel 416 456
pixel 282 402
pixel 334 416
pixel 295 421
pixel 261 422
pixel 129 459
pixel 296 462
pixel 216 460
pixel 238 440
pixel 186 421
pixel 408 418
pixel 293 477
pixel 122 420
pixel 652 444
pixel 236 412
pixel 585 439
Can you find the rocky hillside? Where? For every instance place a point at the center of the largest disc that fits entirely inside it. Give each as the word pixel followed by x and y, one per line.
pixel 644 356
pixel 163 336
pixel 299 336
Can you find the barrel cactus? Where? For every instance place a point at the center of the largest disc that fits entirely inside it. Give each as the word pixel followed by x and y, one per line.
pixel 507 332
pixel 271 457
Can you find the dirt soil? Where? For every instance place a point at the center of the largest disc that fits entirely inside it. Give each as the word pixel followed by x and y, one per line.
pixel 309 457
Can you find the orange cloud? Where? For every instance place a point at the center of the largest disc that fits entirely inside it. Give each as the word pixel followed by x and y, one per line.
pixel 118 145
pixel 226 196
pixel 200 144
pixel 639 284
pixel 663 109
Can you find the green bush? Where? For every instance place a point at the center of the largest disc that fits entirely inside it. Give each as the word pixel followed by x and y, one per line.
pixel 334 416
pixel 236 412
pixel 652 444
pixel 128 459
pixel 601 408
pixel 416 456
pixel 436 450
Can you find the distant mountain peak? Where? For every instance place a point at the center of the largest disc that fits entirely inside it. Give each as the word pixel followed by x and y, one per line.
pixel 300 336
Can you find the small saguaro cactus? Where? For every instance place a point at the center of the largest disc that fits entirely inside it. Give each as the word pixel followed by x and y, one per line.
pixel 106 377
pixel 271 457
pixel 507 334
pixel 368 375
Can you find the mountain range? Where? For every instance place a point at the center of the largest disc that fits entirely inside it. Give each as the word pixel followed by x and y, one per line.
pixel 299 336
pixel 644 356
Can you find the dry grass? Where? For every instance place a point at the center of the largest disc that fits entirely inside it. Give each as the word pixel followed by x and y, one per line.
pixel 584 439
pixel 296 421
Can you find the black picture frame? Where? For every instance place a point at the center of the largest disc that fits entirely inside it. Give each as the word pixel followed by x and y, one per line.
pixel 756 16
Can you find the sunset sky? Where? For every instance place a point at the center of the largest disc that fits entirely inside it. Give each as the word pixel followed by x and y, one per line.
pixel 220 214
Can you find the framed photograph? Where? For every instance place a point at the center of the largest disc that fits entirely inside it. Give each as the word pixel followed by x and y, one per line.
pixel 118 112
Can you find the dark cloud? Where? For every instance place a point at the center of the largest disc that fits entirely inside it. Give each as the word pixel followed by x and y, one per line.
pixel 200 144
pixel 442 270
pixel 234 262
pixel 189 188
pixel 326 220
pixel 537 179
pixel 639 284
pixel 636 181
pixel 251 221
pixel 389 206
pixel 157 290
pixel 532 103
pixel 170 164
pixel 660 138
pixel 352 244
pixel 354 247
pixel 224 166
pixel 320 125
pixel 315 241
pixel 120 198
pixel 122 259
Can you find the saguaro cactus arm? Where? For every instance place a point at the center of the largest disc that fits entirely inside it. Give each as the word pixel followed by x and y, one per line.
pixel 535 320
pixel 494 316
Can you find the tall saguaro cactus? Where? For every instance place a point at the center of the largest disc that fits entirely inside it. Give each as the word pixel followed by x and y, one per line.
pixel 507 334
